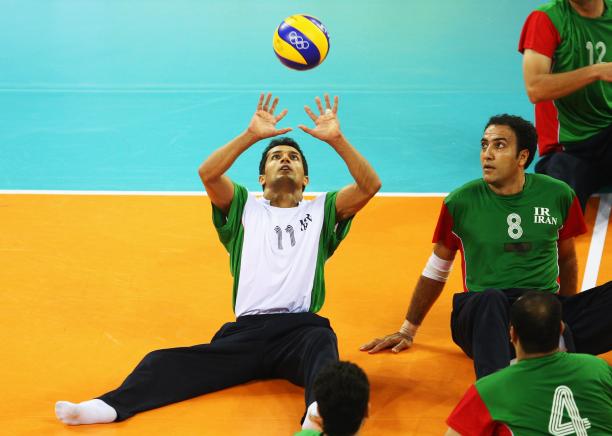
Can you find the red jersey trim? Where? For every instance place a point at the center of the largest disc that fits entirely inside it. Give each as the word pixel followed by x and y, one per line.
pixel 540 34
pixel 574 224
pixel 547 126
pixel 444 230
pixel 463 263
pixel 471 416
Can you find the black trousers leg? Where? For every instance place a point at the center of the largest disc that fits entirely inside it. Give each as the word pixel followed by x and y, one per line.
pixel 589 315
pixel 585 165
pixel 480 327
pixel 575 171
pixel 168 376
pixel 307 345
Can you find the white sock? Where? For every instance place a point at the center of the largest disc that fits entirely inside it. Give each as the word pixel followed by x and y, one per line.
pixel 308 424
pixel 87 412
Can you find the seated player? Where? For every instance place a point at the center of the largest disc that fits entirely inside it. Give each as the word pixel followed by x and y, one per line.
pixel 342 393
pixel 546 392
pixel 568 73
pixel 515 231
pixel 278 246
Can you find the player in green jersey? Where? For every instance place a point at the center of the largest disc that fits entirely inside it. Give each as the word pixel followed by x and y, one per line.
pixel 567 67
pixel 515 231
pixel 546 391
pixel 278 245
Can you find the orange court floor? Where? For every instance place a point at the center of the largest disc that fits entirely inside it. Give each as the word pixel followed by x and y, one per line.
pixel 91 283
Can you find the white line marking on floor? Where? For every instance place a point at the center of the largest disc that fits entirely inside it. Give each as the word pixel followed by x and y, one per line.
pixel 598 239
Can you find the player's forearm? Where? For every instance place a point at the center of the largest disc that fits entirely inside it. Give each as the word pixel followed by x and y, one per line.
pixel 364 175
pixel 568 276
pixel 425 295
pixel 552 86
pixel 222 159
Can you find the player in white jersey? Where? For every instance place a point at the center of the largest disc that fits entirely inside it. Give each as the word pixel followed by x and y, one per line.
pixel 278 245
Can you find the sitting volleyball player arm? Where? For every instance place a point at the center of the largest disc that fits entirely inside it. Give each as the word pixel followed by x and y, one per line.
pixel 351 198
pixel 219 187
pixel 542 85
pixel 568 267
pixel 427 290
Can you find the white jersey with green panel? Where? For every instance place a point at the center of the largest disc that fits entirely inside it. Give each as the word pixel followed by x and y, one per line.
pixel 277 254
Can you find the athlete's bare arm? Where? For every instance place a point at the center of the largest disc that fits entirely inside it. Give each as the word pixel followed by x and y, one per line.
pixel 542 85
pixel 353 197
pixel 425 295
pixel 218 186
pixel 568 267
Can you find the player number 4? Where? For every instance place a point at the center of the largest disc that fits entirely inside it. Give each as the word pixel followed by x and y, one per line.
pixel 563 403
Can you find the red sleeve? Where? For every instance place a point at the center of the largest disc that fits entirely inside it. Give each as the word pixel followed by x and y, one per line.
pixel 444 230
pixel 471 416
pixel 574 222
pixel 539 34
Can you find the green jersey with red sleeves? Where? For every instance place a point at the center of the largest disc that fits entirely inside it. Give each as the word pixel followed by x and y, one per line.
pixel 558 394
pixel 572 41
pixel 510 241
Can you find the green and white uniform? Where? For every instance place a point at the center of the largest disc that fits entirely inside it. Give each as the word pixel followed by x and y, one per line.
pixel 277 255
pixel 559 394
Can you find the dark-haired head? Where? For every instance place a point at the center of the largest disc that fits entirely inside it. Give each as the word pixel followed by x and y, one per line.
pixel 342 392
pixel 536 319
pixel 525 132
pixel 282 141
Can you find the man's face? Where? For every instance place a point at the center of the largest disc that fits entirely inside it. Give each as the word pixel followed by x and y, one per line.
pixel 498 157
pixel 283 165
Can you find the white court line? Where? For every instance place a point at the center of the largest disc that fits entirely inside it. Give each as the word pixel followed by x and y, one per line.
pixel 185 193
pixel 598 239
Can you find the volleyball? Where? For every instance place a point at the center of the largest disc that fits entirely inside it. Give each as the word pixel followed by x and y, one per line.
pixel 301 42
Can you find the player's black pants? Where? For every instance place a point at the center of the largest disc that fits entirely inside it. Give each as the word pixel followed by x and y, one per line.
pixel 585 165
pixel 288 346
pixel 480 324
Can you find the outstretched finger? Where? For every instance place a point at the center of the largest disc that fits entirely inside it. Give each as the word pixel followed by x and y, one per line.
pixel 401 346
pixel 335 108
pixel 310 113
pixel 274 103
pixel 281 115
pixel 319 105
pixel 385 343
pixel 265 106
pixel 259 104
pixel 282 131
pixel 369 345
pixel 327 102
pixel 305 129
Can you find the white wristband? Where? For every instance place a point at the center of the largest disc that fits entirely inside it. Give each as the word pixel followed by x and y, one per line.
pixel 437 268
pixel 408 329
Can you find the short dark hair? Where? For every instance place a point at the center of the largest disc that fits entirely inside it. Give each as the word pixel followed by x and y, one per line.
pixel 536 317
pixel 526 135
pixel 342 392
pixel 285 140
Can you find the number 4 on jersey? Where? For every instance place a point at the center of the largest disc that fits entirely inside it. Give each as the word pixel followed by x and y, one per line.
pixel 563 401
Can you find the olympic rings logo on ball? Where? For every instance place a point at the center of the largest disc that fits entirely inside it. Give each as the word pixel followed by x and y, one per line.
pixel 298 41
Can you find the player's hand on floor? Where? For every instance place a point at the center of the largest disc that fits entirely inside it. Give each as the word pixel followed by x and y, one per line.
pixel 396 341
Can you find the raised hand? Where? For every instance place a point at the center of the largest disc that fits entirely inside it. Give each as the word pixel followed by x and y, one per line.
pixel 263 123
pixel 327 126
pixel 396 341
